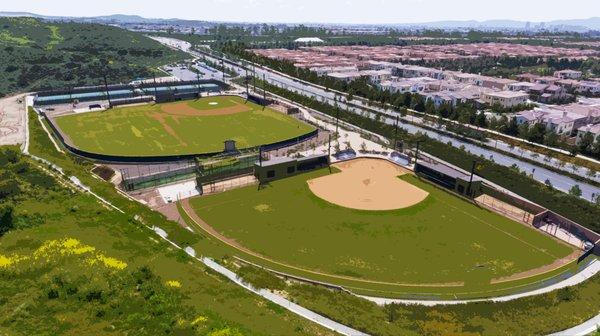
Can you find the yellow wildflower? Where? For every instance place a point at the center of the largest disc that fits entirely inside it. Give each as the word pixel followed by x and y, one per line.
pixel 5 261
pixel 111 262
pixel 199 319
pixel 174 283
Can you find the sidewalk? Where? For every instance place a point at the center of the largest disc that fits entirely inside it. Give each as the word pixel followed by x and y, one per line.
pixel 588 272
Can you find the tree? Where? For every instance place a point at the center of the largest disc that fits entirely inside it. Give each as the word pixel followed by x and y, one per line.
pixel 575 191
pixel 513 127
pixel 585 143
pixel 548 184
pixel 6 219
pixel 9 188
pixel 536 133
pixel 551 139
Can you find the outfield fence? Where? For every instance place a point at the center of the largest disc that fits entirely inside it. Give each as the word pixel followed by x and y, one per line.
pixel 162 158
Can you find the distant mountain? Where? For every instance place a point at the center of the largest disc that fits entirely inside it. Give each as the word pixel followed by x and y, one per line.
pixel 575 24
pixel 570 24
pixel 17 14
pixel 591 23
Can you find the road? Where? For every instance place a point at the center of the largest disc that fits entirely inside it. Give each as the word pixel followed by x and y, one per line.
pixel 559 181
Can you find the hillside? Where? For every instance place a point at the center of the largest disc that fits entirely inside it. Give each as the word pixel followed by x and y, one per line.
pixel 69 265
pixel 35 54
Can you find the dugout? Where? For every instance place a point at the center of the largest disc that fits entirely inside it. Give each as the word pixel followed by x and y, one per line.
pixel 260 100
pixel 450 178
pixel 282 167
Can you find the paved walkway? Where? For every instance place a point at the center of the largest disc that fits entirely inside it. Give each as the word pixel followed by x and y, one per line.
pixel 588 272
pixel 283 302
pixel 583 329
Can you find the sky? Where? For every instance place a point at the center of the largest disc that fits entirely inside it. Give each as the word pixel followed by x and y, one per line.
pixel 323 11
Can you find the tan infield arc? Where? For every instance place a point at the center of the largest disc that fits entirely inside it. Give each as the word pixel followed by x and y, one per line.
pixel 185 110
pixel 367 184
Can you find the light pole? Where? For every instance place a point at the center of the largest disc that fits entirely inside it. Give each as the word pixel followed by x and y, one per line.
pixel 471 177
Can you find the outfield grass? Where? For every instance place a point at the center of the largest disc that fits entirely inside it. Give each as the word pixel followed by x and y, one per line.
pixel 45 212
pixel 149 130
pixel 444 240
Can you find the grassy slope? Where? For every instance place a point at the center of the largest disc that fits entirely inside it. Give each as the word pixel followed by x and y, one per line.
pixel 39 55
pixel 443 233
pixel 537 315
pixel 132 131
pixel 118 236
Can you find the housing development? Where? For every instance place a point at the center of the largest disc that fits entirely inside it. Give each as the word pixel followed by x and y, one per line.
pixel 201 176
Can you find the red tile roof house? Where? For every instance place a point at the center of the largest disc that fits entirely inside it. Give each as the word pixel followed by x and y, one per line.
pixel 545 93
pixel 568 74
pixel 593 129
pixel 527 77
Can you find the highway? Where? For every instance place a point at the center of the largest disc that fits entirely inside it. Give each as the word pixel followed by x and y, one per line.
pixel 538 172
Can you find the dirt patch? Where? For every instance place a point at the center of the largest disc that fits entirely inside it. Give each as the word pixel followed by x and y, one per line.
pixel 184 109
pixel 539 270
pixel 12 120
pixel 367 184
pixel 160 117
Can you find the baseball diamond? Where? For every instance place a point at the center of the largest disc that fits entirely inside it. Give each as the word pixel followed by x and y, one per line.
pixel 179 128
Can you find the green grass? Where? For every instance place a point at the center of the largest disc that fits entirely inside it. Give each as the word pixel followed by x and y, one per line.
pixel 444 239
pixel 45 211
pixel 37 55
pixel 133 130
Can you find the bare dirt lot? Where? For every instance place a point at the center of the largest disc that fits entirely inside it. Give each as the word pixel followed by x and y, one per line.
pixel 12 120
pixel 367 184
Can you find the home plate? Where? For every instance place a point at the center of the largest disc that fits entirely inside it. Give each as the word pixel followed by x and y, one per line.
pixel 179 191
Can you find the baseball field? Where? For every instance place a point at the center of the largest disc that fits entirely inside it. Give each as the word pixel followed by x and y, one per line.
pixel 376 223
pixel 185 127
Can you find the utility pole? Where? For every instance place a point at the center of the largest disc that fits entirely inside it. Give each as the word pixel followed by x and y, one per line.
pixel 264 91
pixel 417 153
pixel 198 82
pixel 155 85
pixel 106 88
pixel 254 77
pixel 396 133
pixel 329 153
pixel 337 120
pixel 471 178
pixel 223 69
pixel 247 89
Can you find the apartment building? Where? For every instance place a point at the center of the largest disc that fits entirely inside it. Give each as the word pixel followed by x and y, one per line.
pixel 505 98
pixel 568 74
pixel 565 119
pixel 589 87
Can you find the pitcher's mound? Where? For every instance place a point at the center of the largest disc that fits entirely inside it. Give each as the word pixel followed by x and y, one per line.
pixel 367 184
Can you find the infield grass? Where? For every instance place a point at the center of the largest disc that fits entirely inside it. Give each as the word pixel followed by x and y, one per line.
pixel 442 241
pixel 186 127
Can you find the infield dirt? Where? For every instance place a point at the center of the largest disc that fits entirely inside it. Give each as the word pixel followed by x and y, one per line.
pixel 367 184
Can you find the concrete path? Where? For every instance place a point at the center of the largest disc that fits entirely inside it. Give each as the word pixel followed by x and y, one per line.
pixel 583 329
pixel 283 302
pixel 588 272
